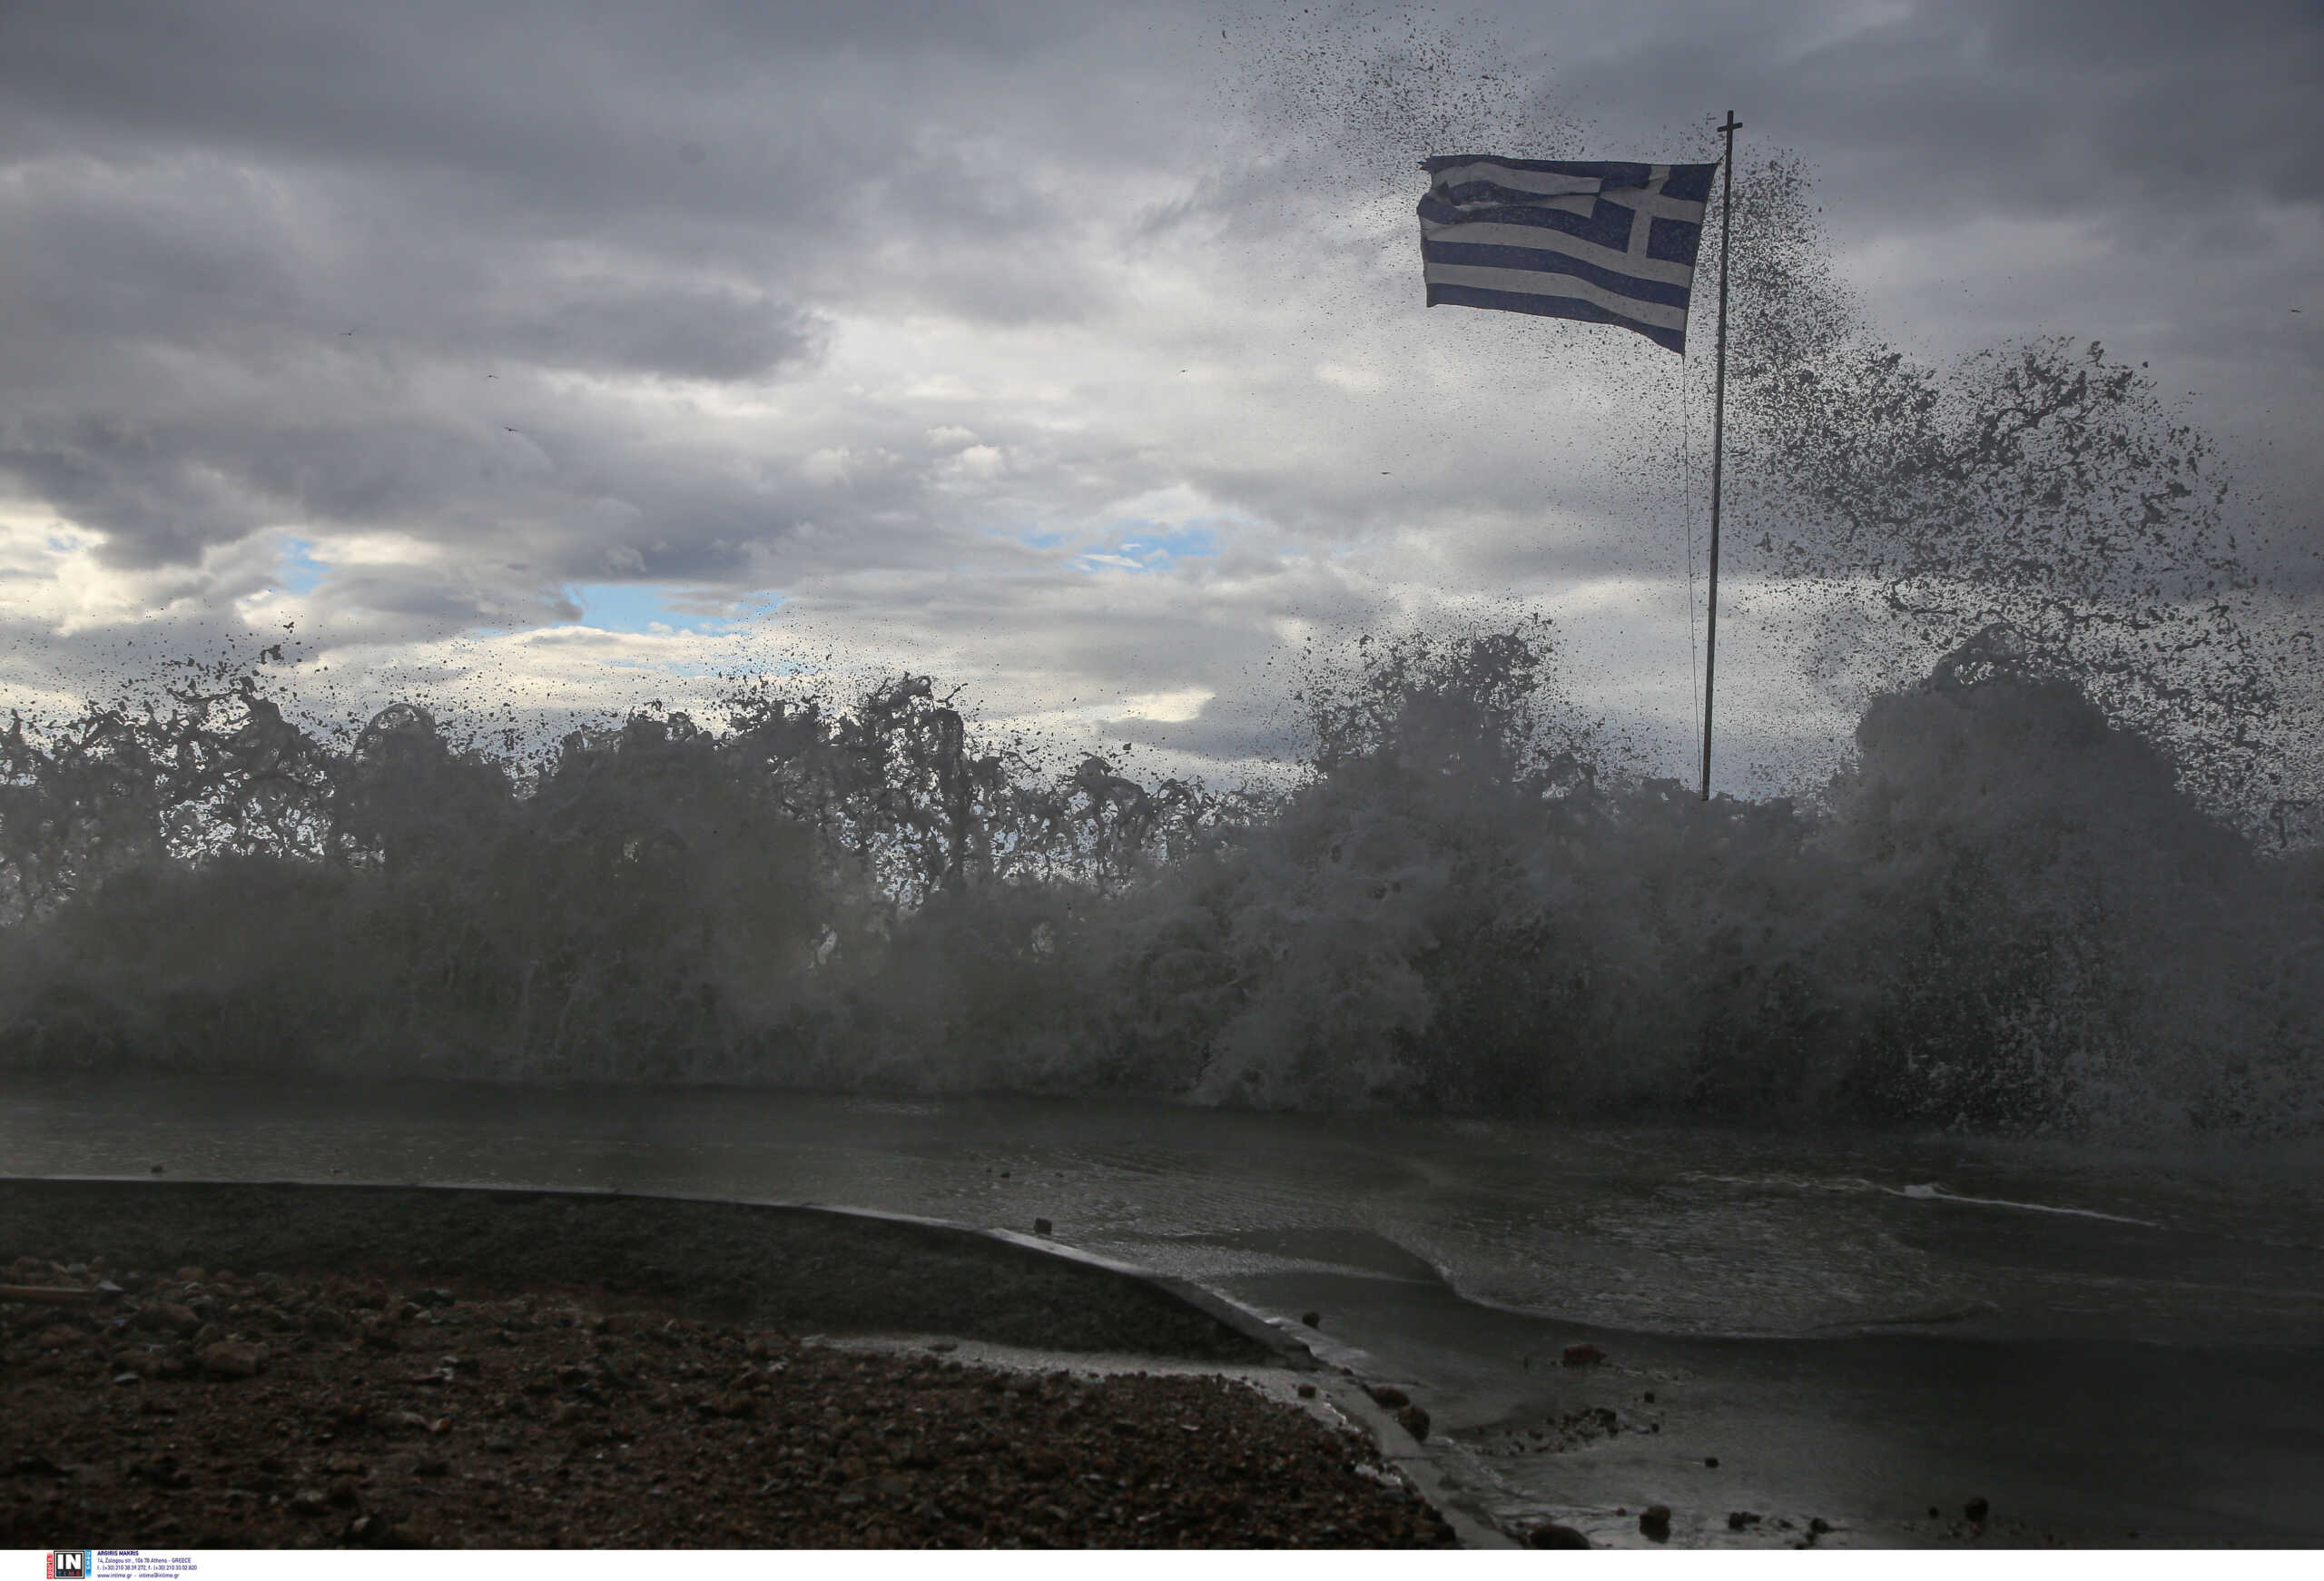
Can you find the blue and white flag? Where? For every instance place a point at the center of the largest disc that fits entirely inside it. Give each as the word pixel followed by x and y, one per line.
pixel 1598 240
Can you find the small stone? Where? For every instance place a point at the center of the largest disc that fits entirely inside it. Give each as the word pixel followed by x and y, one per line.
pixel 309 1501
pixel 1041 1227
pixel 1976 1509
pixel 1583 1355
pixel 343 1493
pixel 1389 1396
pixel 157 1168
pixel 1654 1522
pixel 1306 1391
pixel 1647 1396
pixel 1414 1420
pixel 1312 1320
pixel 1817 1526
pixel 1711 1461
pixel 171 1315
pixel 163 1472
pixel 1737 1519
pixel 1553 1535
pixel 232 1358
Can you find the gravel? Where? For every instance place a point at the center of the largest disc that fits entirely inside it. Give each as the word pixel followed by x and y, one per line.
pixel 200 1408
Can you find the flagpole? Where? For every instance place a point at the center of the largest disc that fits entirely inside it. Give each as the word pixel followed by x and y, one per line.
pixel 1717 438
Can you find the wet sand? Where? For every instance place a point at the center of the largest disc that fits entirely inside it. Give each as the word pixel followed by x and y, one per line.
pixel 794 1269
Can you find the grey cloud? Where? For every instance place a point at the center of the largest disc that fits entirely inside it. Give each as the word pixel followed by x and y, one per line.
pixel 348 213
pixel 679 332
pixel 427 601
pixel 1942 109
pixel 159 502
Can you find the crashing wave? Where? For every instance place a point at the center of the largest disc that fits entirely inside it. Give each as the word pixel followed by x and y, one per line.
pixel 2005 913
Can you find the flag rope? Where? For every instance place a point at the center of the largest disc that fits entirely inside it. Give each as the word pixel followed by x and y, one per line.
pixel 1687 516
pixel 1718 438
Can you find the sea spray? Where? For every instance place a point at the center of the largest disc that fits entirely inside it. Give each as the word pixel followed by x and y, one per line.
pixel 2007 914
pixel 1885 506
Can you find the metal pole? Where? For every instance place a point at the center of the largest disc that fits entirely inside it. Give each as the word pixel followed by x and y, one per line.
pixel 1718 438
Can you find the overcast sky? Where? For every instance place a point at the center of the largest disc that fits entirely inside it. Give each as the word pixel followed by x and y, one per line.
pixel 564 355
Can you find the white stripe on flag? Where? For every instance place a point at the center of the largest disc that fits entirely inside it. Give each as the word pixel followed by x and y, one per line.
pixel 1661 205
pixel 1635 265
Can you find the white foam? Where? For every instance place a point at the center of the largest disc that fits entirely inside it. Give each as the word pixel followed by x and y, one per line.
pixel 1933 1194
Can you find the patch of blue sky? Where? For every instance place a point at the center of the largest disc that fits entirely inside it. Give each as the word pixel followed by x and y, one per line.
pixel 645 608
pixel 298 570
pixel 1150 546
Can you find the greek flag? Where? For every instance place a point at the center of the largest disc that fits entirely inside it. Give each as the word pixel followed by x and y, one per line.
pixel 1598 240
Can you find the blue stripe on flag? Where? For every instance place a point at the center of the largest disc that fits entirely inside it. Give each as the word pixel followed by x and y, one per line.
pixel 1541 261
pixel 1608 225
pixel 1674 241
pixel 1690 182
pixel 1551 307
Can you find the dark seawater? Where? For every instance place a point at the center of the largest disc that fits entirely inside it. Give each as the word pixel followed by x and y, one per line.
pixel 2098 1340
